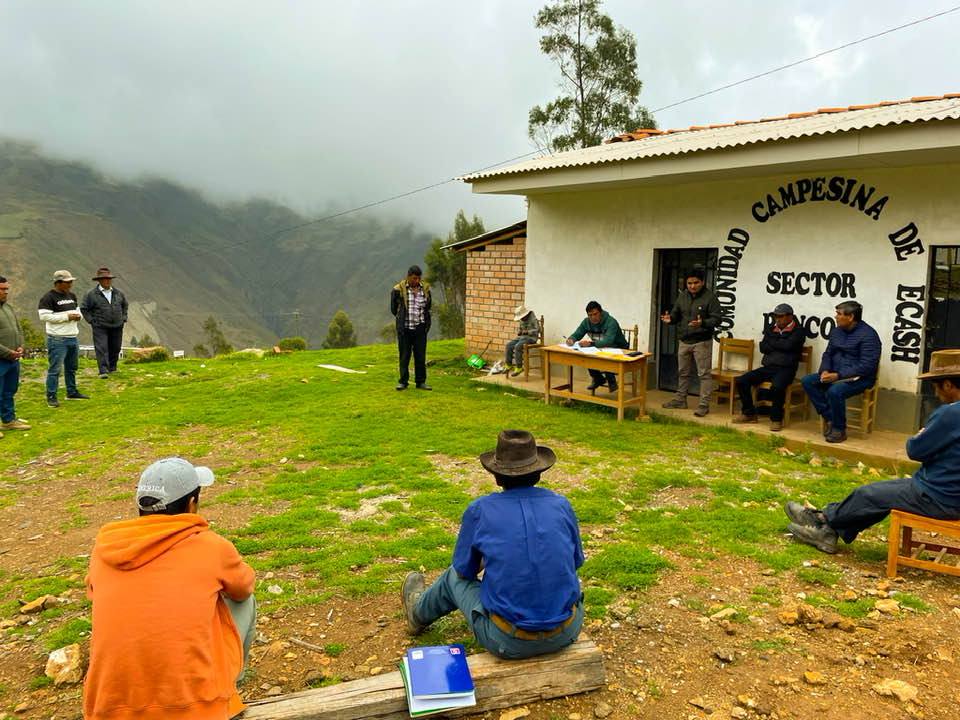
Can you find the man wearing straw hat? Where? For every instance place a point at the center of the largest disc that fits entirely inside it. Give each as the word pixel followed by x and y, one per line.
pixel 105 308
pixel 527 542
pixel 933 491
pixel 527 333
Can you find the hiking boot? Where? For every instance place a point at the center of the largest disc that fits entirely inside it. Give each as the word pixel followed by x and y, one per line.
pixel 614 386
pixel 410 592
pixel 822 537
pixel 594 384
pixel 77 395
pixel 676 403
pixel 827 427
pixel 15 424
pixel 740 419
pixel 776 425
pixel 802 515
pixel 52 400
pixel 701 410
pixel 836 436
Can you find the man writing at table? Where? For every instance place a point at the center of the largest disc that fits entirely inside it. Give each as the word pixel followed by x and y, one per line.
pixel 599 329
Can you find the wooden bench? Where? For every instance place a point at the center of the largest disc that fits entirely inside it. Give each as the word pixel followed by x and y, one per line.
pixel 499 684
pixel 903 549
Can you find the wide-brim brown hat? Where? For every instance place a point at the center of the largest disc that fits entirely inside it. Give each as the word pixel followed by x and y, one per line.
pixel 103 274
pixel 520 312
pixel 951 372
pixel 517 453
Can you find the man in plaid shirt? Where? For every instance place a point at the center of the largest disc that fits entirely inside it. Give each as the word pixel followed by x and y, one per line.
pixel 410 304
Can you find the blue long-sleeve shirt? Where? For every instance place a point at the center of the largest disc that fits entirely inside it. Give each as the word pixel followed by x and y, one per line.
pixel 938 448
pixel 852 353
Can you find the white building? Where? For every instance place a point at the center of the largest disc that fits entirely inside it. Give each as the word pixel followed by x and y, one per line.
pixel 842 203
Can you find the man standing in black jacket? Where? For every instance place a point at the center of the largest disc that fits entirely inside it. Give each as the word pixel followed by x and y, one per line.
pixel 410 304
pixel 782 346
pixel 105 309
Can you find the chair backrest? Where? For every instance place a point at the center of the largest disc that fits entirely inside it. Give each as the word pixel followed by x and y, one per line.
pixel 806 358
pixel 631 336
pixel 735 347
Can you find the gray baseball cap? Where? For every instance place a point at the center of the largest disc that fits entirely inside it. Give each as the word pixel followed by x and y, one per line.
pixel 783 309
pixel 168 480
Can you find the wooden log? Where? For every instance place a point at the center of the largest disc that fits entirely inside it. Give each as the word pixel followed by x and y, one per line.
pixel 499 684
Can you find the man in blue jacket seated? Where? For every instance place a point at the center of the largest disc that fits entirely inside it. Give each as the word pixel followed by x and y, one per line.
pixel 933 491
pixel 526 540
pixel 848 367
pixel 599 329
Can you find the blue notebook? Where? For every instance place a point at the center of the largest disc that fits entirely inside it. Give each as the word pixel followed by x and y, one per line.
pixel 439 671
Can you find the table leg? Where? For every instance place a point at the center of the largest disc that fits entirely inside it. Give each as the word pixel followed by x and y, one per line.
pixel 545 359
pixel 621 376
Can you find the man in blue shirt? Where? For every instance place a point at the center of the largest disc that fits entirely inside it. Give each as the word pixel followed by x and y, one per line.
pixel 848 367
pixel 526 540
pixel 933 491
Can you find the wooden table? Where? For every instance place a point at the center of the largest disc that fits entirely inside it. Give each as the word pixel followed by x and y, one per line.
pixel 620 365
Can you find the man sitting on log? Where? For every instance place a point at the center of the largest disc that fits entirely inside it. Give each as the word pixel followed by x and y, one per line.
pixel 526 540
pixel 933 491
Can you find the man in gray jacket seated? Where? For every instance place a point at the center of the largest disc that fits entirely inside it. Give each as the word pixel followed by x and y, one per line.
pixel 527 333
pixel 105 309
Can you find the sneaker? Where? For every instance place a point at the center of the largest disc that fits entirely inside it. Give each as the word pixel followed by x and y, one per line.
pixel 676 403
pixel 15 424
pixel 401 386
pixel 701 410
pixel 517 372
pixel 827 427
pixel 776 426
pixel 822 537
pixel 836 436
pixel 52 400
pixel 740 419
pixel 410 592
pixel 802 515
pixel 103 376
pixel 614 386
pixel 594 384
pixel 423 386
pixel 77 395
pixel 500 370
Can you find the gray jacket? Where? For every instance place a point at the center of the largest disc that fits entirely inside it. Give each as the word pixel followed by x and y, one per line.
pixel 11 336
pixel 97 311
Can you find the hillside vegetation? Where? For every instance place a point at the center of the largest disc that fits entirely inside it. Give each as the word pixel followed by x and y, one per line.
pixel 181 258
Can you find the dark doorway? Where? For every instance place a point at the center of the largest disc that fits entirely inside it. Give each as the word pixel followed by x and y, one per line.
pixel 942 331
pixel 672 265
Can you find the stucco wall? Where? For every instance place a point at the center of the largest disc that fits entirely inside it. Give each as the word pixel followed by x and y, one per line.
pixel 601 245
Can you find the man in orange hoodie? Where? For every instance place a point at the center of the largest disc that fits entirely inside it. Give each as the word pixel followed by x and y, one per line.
pixel 173 608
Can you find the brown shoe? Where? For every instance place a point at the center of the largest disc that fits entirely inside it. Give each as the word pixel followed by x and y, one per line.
pixel 15 424
pixel 776 426
pixel 740 419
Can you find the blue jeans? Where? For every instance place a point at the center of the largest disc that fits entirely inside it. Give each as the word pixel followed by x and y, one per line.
pixel 9 382
pixel 451 592
pixel 830 399
pixel 62 352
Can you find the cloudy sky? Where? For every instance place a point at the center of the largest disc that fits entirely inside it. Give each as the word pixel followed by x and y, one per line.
pixel 329 105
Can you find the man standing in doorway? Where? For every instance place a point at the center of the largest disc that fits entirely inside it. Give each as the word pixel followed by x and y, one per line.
pixel 696 313
pixel 848 367
pixel 59 310
pixel 410 304
pixel 11 350
pixel 105 308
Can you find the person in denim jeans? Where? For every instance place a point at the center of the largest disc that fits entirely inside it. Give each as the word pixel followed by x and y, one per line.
pixel 60 311
pixel 11 350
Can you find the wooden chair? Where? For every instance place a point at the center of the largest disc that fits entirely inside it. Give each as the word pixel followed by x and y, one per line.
pixel 630 335
pixel 726 378
pixel 528 356
pixel 862 410
pixel 907 551
pixel 796 397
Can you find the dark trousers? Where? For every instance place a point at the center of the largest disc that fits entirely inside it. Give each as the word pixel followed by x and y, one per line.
pixel 106 344
pixel 9 382
pixel 602 378
pixel 870 504
pixel 413 342
pixel 830 399
pixel 780 379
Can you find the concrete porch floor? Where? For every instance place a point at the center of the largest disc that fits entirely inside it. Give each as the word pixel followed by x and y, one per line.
pixel 881 448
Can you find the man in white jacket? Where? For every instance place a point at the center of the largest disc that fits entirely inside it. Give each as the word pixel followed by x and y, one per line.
pixel 60 311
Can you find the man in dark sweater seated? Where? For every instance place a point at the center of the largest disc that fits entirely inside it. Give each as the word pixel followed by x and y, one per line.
pixel 848 367
pixel 781 347
pixel 526 540
pixel 933 491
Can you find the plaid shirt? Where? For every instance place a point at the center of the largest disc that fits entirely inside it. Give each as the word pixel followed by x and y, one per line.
pixel 416 302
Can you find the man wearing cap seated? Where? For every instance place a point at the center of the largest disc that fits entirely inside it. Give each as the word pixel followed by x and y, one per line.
pixel 173 608
pixel 781 348
pixel 527 542
pixel 933 491
pixel 528 332
pixel 105 308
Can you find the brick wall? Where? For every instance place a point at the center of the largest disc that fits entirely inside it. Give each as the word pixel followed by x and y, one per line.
pixel 495 281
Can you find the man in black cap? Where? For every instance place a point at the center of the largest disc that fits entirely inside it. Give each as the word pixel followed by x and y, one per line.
pixel 781 348
pixel 105 308
pixel 527 542
pixel 933 491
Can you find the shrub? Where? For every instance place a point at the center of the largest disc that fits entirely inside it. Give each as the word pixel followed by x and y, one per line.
pixel 292 343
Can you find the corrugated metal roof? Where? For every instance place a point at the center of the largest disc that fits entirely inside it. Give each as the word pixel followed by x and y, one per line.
pixel 518 229
pixel 825 121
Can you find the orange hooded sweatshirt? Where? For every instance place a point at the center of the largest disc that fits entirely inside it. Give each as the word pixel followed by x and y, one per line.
pixel 164 645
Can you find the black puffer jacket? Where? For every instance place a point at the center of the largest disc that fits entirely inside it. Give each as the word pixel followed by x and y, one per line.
pixel 782 349
pixel 97 311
